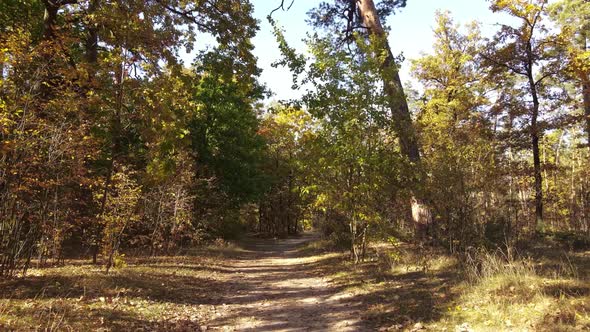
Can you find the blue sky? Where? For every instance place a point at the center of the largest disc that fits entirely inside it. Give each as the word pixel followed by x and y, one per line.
pixel 411 32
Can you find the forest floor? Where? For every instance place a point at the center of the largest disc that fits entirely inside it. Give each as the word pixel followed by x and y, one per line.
pixel 294 285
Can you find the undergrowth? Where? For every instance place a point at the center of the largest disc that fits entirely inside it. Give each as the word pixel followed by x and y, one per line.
pixel 411 286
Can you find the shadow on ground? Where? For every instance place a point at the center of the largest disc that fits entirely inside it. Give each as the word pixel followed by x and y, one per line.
pixel 263 285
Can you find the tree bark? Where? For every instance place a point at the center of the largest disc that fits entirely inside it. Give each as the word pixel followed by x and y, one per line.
pixel 49 19
pixel 47 81
pixel 586 98
pixel 586 90
pixel 538 175
pixel 91 43
pixel 392 83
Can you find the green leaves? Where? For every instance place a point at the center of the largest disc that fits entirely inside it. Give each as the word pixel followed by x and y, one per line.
pixel 224 130
pixel 295 62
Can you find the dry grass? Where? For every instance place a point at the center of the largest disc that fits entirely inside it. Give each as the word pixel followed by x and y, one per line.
pixel 84 298
pixel 502 303
pixel 404 286
pixel 399 287
pixel 159 293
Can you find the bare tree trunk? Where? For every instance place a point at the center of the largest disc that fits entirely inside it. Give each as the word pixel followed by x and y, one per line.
pixel 586 90
pixel 537 172
pixel 538 180
pixel 353 252
pixel 364 243
pixel 586 98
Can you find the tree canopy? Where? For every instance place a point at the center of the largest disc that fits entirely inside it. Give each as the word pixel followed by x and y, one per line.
pixel 111 141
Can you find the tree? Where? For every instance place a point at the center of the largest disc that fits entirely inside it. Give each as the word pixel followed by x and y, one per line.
pixel 224 139
pixel 121 210
pixel 289 134
pixel 453 124
pixel 573 16
pixel 392 84
pixel 528 52
pixel 94 94
pixel 364 18
pixel 358 172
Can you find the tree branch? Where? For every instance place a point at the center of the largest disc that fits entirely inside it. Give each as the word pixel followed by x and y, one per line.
pixel 502 64
pixel 282 7
pixel 186 14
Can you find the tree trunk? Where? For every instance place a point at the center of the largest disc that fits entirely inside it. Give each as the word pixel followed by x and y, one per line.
pixel 538 175
pixel 396 98
pixel 586 89
pixel 49 19
pixel 115 145
pixel 538 180
pixel 586 97
pixel 91 44
pixel 392 83
pixel 47 81
pixel 353 252
pixel 91 57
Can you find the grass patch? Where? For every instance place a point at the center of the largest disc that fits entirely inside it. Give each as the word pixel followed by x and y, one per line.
pixel 160 293
pixel 406 285
pixel 319 246
pixel 502 302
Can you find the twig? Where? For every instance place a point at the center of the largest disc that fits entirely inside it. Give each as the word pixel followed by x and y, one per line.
pixel 282 7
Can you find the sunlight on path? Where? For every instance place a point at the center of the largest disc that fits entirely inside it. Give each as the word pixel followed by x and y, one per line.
pixel 280 291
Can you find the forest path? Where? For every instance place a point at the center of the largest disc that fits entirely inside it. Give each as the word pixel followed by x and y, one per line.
pixel 274 286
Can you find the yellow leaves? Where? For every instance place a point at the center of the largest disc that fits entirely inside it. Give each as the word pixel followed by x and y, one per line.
pixel 579 62
pixel 4 57
pixel 518 8
pixel 320 200
pixel 183 133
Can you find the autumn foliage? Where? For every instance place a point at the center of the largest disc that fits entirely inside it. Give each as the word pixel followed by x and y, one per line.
pixel 110 143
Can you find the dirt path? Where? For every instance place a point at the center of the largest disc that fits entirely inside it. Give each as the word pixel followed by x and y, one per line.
pixel 274 288
pixel 269 285
pixel 262 285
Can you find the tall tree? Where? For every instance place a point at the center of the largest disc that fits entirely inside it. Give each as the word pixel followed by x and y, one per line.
pixel 573 16
pixel 529 52
pixel 392 84
pixel 453 125
pixel 359 169
pixel 351 18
